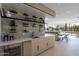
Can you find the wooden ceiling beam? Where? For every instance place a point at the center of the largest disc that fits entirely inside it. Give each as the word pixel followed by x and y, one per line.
pixel 42 8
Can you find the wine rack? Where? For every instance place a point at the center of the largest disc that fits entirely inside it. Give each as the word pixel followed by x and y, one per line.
pixel 15 51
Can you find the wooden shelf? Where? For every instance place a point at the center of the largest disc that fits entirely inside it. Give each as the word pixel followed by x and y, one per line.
pixel 22 19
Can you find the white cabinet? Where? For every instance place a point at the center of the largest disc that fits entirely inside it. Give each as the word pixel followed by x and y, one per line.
pixel 27 48
pixel 38 45
pixel 35 47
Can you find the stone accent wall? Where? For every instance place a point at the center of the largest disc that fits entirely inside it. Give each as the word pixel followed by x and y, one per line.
pixel 37 30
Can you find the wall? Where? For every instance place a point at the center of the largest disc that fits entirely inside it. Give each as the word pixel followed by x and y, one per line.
pixel 19 28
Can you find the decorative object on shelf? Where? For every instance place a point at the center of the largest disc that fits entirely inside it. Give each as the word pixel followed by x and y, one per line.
pixel 13 11
pixel 25 31
pixel 11 37
pixel 14 14
pixel 41 20
pixel 5 37
pixel 8 14
pixel 13 30
pixel 25 24
pixel 39 29
pixel 8 37
pixel 22 19
pixel 33 25
pixel 25 14
pixel 40 25
pixel 33 34
pixel 34 18
pixel 3 13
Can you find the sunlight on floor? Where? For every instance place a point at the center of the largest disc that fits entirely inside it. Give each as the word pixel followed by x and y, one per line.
pixel 63 48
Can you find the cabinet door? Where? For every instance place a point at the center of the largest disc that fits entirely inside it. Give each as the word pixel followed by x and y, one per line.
pixel 43 45
pixel 27 48
pixel 51 42
pixel 35 47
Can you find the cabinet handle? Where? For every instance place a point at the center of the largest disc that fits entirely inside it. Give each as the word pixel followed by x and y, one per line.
pixel 47 44
pixel 38 48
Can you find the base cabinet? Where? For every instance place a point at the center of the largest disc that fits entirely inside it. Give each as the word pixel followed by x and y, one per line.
pixel 27 48
pixel 1 51
pixel 37 46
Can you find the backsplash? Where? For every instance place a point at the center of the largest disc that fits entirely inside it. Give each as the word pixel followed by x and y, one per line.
pixel 15 27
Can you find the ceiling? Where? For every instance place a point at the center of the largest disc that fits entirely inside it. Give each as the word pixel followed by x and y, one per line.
pixel 22 8
pixel 65 13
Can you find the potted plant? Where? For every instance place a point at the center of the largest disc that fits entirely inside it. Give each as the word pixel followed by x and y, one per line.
pixel 13 26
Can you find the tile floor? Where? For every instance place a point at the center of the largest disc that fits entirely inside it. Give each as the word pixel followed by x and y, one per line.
pixel 63 48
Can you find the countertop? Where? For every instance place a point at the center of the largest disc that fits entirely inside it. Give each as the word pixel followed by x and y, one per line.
pixel 48 35
pixel 23 40
pixel 14 41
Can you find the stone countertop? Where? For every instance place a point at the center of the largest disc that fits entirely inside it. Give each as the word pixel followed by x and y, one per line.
pixel 15 41
pixel 48 35
pixel 22 40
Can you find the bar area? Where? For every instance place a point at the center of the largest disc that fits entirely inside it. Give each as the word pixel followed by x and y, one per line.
pixel 23 31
